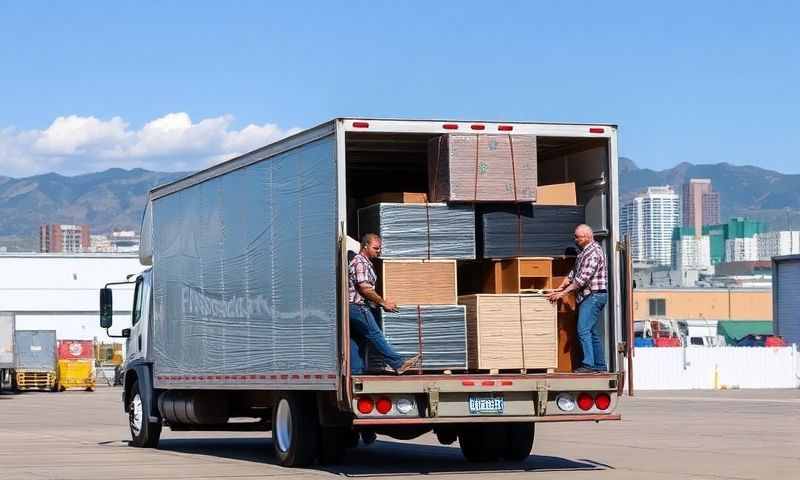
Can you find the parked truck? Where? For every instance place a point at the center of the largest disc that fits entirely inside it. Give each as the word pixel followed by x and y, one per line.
pixel 35 364
pixel 243 309
pixel 6 349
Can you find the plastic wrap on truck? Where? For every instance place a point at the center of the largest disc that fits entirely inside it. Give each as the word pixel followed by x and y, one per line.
pixel 244 273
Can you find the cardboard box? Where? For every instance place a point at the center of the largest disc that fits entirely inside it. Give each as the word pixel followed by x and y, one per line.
pixel 482 168
pixel 511 332
pixel 556 194
pixel 397 197
pixel 418 282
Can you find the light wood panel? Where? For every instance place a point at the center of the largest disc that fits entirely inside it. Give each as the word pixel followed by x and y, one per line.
pixel 419 282
pixel 510 331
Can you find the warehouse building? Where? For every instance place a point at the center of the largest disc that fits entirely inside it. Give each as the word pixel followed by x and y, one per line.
pixel 703 304
pixel 61 291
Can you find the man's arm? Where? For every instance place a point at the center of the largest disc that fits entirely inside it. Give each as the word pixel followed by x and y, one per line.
pixel 366 291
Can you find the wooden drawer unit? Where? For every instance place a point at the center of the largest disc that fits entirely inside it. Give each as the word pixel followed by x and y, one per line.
pixel 526 273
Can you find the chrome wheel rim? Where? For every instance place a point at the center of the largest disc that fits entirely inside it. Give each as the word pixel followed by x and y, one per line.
pixel 136 415
pixel 283 426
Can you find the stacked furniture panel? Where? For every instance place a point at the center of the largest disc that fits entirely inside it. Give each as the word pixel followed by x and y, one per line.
pixel 412 230
pixel 482 168
pixel 527 230
pixel 511 332
pixel 441 328
pixel 418 282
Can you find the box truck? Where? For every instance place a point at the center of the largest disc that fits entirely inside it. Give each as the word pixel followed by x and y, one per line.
pixel 35 362
pixel 6 349
pixel 243 309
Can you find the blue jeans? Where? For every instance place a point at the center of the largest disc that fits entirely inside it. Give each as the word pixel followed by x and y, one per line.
pixel 589 331
pixel 364 330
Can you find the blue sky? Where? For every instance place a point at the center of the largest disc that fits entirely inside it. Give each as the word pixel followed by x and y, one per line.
pixel 88 85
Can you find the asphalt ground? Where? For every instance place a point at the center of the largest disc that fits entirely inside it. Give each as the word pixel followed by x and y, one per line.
pixel 734 434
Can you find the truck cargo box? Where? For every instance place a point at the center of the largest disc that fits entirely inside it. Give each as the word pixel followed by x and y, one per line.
pixel 36 350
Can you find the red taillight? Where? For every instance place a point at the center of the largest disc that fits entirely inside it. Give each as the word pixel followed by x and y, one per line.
pixel 602 401
pixel 468 383
pixel 477 127
pixel 360 125
pixel 596 130
pixel 365 405
pixel 487 383
pixel 383 405
pixel 585 401
pixel 505 128
pixel 450 126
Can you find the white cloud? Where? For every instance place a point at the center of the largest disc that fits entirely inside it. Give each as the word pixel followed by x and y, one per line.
pixel 76 144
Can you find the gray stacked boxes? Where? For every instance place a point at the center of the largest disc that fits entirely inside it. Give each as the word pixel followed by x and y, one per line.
pixel 527 230
pixel 443 333
pixel 36 350
pixel 482 168
pixel 418 230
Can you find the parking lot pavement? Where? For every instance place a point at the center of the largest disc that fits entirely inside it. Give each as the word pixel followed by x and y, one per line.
pixel 739 434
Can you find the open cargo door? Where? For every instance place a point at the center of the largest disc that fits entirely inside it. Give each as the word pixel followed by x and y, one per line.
pixel 625 352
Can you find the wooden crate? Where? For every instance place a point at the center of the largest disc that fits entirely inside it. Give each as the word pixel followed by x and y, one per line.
pixel 418 282
pixel 510 332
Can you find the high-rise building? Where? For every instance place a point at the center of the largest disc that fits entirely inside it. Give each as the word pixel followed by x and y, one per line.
pixel 700 205
pixel 690 252
pixel 735 241
pixel 54 238
pixel 775 244
pixel 649 219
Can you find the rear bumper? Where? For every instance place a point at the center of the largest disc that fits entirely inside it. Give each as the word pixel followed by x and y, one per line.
pixel 446 399
pixel 509 419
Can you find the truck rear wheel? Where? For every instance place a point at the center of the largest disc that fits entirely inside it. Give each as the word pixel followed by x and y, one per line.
pixel 295 429
pixel 144 433
pixel 519 441
pixel 482 443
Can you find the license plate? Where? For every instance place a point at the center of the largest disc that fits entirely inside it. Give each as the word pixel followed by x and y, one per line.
pixel 484 404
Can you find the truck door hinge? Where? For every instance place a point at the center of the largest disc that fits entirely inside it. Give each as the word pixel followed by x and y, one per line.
pixel 620 246
pixel 541 400
pixel 433 400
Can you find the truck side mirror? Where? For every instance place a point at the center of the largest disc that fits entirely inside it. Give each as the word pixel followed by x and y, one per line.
pixel 106 308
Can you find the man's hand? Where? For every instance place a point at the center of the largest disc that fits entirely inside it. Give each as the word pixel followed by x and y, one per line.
pixel 389 306
pixel 555 296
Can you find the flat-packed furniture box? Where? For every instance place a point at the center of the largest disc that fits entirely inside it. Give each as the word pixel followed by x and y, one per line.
pixel 511 332
pixel 440 329
pixel 527 230
pixel 421 230
pixel 556 194
pixel 418 282
pixel 397 197
pixel 482 168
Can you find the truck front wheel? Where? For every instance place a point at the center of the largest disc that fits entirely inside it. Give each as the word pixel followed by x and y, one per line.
pixel 295 429
pixel 144 433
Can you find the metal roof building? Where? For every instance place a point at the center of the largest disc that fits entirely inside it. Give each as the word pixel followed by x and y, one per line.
pixel 61 291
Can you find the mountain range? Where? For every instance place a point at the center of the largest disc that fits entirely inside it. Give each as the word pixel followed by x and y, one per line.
pixel 114 199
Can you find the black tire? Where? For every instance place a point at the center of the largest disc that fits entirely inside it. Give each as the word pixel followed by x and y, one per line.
pixel 332 444
pixel 519 441
pixel 144 433
pixel 295 429
pixel 482 443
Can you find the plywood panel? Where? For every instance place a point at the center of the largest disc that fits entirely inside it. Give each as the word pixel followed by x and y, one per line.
pixel 417 282
pixel 510 331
